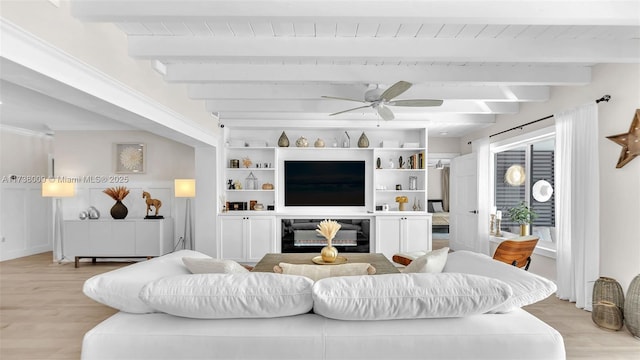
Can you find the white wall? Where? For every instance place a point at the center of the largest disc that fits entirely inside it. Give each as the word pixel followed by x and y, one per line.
pixel 19 145
pixel 619 188
pixel 23 222
pixel 79 153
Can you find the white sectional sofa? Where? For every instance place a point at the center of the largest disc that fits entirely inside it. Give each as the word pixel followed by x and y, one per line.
pixel 471 310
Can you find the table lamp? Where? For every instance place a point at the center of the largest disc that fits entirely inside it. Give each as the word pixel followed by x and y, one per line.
pixel 186 188
pixel 57 190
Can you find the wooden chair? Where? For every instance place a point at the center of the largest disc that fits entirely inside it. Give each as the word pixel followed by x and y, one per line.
pixel 516 252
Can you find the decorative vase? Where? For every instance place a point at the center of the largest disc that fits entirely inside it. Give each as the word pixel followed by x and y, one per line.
pixel 632 307
pixel 119 211
pixel 363 141
pixel 319 143
pixel 302 142
pixel 329 253
pixel 283 141
pixel 524 229
pixel 378 164
pixel 607 315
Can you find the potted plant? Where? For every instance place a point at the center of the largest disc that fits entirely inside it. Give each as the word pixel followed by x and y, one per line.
pixel 523 215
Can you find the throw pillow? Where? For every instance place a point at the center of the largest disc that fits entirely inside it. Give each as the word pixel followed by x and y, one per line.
pixel 119 288
pixel 407 296
pixel 317 272
pixel 437 207
pixel 528 288
pixel 431 262
pixel 212 266
pixel 225 296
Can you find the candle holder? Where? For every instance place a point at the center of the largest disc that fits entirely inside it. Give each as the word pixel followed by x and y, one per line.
pixel 492 223
pixel 498 233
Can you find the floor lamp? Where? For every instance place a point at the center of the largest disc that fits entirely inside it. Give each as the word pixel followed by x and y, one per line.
pixel 57 190
pixel 186 188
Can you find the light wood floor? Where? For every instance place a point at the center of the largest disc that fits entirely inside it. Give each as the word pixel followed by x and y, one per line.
pixel 43 314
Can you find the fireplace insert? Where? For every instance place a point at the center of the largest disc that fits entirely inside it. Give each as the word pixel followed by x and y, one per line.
pixel 300 236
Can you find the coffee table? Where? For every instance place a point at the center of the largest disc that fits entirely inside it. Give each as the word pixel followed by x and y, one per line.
pixel 379 261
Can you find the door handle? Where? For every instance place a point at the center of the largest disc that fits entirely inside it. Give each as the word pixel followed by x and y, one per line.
pixel 473 211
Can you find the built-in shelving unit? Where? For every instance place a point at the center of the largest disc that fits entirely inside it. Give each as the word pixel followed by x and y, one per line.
pixel 401 171
pixel 266 162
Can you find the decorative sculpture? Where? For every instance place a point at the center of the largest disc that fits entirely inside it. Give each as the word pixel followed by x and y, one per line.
pixel 157 204
pixel 629 141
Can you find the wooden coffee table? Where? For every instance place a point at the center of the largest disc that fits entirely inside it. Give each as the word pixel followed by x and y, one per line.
pixel 379 261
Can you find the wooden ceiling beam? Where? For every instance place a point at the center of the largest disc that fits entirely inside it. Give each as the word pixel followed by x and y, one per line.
pixel 316 91
pixel 507 75
pixel 331 106
pixel 200 49
pixel 526 12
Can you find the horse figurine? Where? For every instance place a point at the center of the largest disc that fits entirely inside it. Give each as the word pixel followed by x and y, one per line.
pixel 151 202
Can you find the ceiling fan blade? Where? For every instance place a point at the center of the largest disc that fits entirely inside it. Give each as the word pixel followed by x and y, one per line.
pixel 341 98
pixel 344 111
pixel 385 113
pixel 415 102
pixel 395 90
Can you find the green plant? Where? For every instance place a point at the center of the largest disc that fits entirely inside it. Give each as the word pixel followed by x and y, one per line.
pixel 522 214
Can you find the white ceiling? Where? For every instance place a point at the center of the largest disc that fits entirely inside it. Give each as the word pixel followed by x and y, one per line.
pixel 267 63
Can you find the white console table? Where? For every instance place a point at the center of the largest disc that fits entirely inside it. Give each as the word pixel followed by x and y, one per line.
pixel 135 238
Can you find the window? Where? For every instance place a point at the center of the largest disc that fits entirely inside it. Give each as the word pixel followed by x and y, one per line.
pixel 524 172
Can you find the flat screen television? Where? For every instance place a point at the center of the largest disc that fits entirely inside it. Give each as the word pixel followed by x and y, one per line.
pixel 324 183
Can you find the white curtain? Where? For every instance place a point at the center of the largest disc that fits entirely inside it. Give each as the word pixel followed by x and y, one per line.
pixel 483 156
pixel 577 203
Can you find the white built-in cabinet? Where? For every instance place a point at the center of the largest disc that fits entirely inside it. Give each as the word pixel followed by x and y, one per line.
pixel 247 238
pixel 402 233
pixel 393 158
pixel 136 237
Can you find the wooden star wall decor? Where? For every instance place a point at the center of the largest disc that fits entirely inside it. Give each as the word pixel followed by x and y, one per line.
pixel 630 141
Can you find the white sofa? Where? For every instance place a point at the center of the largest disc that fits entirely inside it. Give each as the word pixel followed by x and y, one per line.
pixel 471 310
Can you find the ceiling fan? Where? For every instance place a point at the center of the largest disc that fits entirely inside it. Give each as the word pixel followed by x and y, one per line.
pixel 380 102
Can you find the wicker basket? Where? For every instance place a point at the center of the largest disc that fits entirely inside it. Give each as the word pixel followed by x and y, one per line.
pixel 607 315
pixel 608 289
pixel 632 307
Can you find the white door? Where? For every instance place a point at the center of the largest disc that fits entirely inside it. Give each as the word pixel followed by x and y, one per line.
pixel 463 208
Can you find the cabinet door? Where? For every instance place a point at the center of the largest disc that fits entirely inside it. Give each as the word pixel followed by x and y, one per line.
pixel 417 233
pixel 76 238
pixel 123 237
pixel 388 235
pixel 260 237
pixel 148 237
pixel 100 238
pixel 231 238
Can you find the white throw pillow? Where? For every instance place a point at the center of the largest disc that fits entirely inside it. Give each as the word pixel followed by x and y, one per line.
pixel 528 288
pixel 437 207
pixel 212 266
pixel 317 272
pixel 119 288
pixel 407 296
pixel 224 296
pixel 431 262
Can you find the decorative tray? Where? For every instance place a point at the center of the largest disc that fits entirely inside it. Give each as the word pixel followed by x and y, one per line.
pixel 339 260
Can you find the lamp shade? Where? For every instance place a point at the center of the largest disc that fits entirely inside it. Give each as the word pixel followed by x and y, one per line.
pixel 58 189
pixel 185 187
